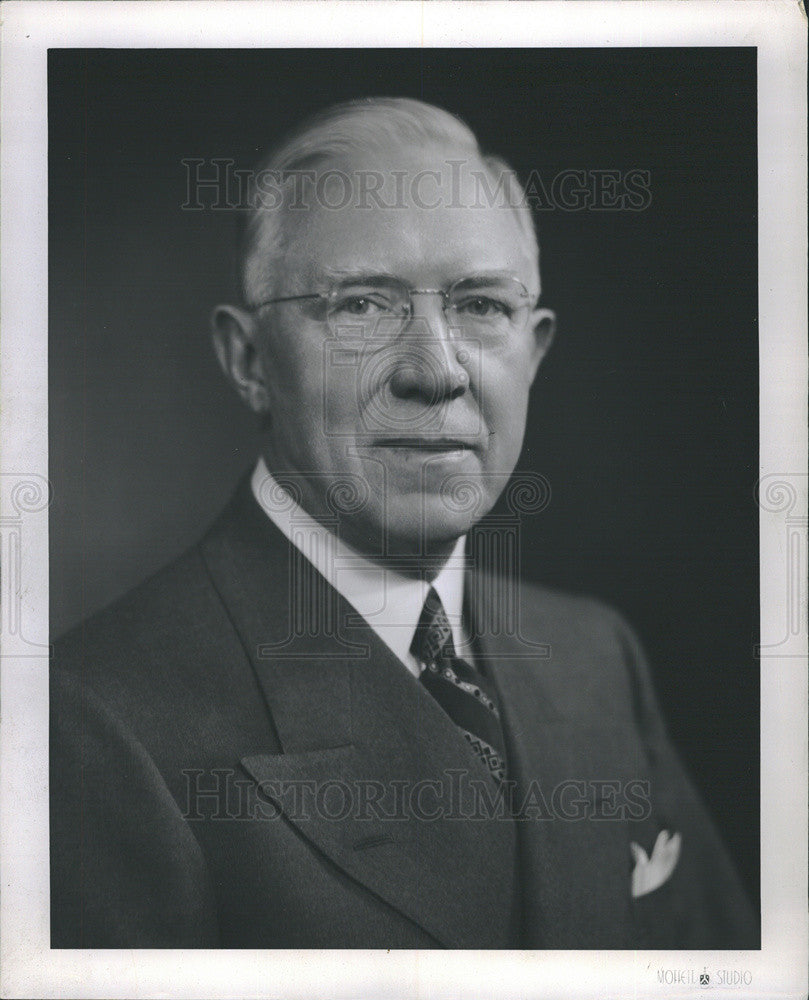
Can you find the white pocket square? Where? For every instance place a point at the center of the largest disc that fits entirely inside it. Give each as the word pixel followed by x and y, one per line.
pixel 651 872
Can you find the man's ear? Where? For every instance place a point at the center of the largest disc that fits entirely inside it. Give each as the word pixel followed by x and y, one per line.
pixel 543 328
pixel 235 336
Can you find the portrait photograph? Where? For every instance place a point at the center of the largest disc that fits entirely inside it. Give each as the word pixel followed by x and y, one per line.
pixel 412 569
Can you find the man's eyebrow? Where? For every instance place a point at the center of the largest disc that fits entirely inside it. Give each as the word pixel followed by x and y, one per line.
pixel 377 277
pixel 347 274
pixel 490 275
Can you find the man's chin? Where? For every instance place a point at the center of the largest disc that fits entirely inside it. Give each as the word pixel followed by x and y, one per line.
pixel 430 524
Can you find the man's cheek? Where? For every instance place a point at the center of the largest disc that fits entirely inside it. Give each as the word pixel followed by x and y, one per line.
pixel 507 429
pixel 335 390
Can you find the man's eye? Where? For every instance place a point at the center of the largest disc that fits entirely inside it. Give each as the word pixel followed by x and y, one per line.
pixel 483 306
pixel 362 305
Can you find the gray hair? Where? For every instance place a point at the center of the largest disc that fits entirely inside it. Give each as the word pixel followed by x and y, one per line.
pixel 373 123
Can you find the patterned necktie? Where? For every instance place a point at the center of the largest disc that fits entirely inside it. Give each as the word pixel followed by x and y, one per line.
pixel 457 687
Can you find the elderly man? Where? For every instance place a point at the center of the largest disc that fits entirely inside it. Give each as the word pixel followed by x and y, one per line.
pixel 340 720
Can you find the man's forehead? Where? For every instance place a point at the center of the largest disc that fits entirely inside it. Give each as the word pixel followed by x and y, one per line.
pixel 388 214
pixel 413 245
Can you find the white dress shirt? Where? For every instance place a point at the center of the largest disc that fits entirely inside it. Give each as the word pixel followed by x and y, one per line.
pixel 390 602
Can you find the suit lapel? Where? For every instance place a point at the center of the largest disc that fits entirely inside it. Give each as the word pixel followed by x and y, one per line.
pixel 368 739
pixel 574 871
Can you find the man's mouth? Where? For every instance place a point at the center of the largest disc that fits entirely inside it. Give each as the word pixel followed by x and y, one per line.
pixel 425 444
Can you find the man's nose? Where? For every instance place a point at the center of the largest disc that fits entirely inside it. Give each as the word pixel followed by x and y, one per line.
pixel 431 365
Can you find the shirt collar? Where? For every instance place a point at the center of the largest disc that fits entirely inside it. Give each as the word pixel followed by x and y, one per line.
pixel 390 602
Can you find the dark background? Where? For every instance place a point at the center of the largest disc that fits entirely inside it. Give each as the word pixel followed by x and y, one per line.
pixel 645 414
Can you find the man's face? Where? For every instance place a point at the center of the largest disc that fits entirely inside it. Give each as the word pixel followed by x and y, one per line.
pixel 425 422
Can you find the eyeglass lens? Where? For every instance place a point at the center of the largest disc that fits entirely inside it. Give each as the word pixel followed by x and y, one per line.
pixel 472 304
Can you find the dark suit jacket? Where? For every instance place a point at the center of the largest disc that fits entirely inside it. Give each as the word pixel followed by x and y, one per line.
pixel 305 728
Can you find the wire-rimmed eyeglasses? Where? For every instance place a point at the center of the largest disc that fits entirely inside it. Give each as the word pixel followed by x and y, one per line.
pixel 475 305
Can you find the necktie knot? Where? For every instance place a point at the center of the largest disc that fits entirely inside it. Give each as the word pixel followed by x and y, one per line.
pixel 432 642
